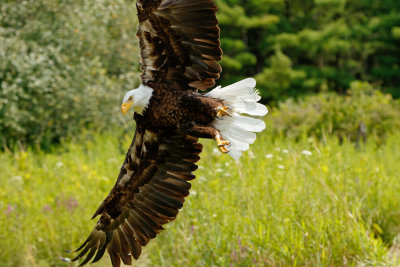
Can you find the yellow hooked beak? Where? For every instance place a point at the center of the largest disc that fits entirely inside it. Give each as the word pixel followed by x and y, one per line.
pixel 125 107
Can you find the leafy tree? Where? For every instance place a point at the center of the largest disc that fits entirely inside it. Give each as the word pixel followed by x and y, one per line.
pixel 63 67
pixel 329 43
pixel 243 29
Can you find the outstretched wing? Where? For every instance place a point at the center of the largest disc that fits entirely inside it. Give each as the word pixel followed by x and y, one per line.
pixel 149 192
pixel 179 41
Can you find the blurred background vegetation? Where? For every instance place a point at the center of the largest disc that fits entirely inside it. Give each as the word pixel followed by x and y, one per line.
pixel 65 65
pixel 308 193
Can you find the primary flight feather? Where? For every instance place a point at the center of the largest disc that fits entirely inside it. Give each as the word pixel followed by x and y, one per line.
pixel 180 50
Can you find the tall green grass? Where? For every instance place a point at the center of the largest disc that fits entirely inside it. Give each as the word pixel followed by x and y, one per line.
pixel 283 204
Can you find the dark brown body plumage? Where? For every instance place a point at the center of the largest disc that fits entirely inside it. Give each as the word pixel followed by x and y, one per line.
pixel 180 50
pixel 178 108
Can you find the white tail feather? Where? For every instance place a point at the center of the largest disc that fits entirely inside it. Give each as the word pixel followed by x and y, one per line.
pixel 255 109
pixel 240 97
pixel 249 123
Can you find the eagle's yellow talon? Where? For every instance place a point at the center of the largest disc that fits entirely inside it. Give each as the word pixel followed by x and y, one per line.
pixel 223 111
pixel 221 143
pixel 223 149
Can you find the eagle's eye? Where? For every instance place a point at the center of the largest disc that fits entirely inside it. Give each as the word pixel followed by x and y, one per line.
pixel 130 98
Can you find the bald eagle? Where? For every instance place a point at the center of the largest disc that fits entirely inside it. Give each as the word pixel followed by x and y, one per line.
pixel 180 50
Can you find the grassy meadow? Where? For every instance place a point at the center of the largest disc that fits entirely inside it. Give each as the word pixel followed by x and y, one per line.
pixel 325 67
pixel 284 204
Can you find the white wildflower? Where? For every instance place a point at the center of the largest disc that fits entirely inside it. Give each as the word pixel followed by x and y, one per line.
pixel 216 151
pixel 16 179
pixel 285 151
pixel 104 178
pixel 269 156
pixel 281 167
pixel 306 152
pixel 59 164
pixel 251 155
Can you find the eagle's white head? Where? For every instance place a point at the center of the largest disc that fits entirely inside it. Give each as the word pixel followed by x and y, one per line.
pixel 138 99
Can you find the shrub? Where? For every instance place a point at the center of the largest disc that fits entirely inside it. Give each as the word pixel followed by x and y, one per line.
pixel 363 109
pixel 63 67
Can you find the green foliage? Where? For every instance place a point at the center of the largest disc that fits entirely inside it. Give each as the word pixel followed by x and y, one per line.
pixel 242 33
pixel 322 44
pixel 276 80
pixel 343 116
pixel 64 66
pixel 285 203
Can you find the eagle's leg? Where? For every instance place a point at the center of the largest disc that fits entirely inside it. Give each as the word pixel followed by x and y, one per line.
pixel 223 111
pixel 207 132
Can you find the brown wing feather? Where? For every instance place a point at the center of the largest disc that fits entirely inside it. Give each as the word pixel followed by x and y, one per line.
pixel 149 192
pixel 179 41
